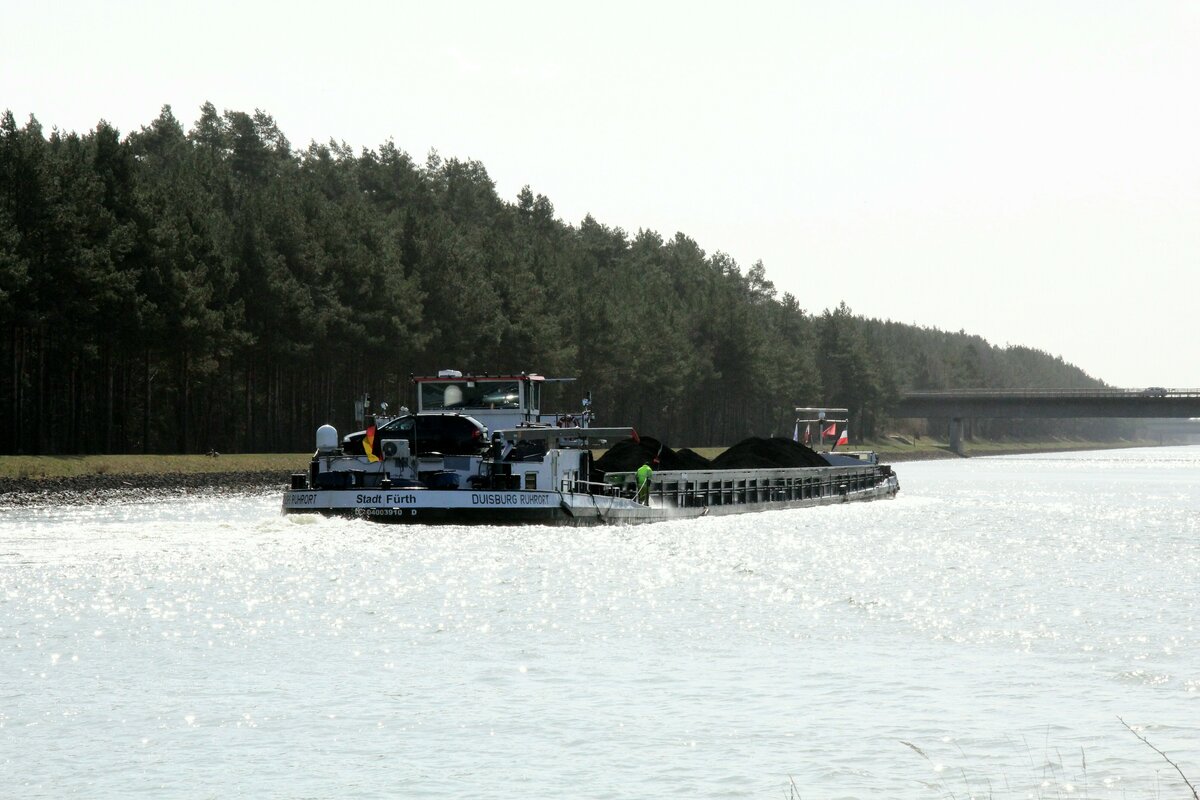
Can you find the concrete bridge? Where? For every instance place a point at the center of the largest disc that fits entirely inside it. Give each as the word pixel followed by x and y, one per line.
pixel 960 404
pixel 1178 430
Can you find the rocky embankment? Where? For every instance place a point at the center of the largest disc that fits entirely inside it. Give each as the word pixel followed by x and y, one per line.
pixel 109 488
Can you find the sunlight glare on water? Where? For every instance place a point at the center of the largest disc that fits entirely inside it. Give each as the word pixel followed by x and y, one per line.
pixel 979 635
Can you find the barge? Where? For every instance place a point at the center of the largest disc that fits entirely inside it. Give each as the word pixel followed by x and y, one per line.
pixel 478 450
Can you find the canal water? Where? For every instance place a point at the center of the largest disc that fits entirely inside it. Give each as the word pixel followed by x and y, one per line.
pixel 983 634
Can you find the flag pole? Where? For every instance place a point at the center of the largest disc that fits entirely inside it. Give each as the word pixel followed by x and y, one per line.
pixel 824 417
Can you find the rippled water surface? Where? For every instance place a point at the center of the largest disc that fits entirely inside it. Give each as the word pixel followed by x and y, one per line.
pixel 981 634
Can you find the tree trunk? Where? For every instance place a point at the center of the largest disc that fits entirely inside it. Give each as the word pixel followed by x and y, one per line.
pixel 248 442
pixel 185 400
pixel 109 374
pixel 18 380
pixel 39 400
pixel 146 405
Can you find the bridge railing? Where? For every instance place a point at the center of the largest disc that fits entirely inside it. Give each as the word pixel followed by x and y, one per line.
pixel 962 394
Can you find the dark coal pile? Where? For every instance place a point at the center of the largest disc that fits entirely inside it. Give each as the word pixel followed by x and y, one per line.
pixel 693 460
pixel 110 488
pixel 744 460
pixel 753 453
pixel 778 453
pixel 628 455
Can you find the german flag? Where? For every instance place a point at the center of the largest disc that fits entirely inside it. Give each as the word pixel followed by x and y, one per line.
pixel 369 445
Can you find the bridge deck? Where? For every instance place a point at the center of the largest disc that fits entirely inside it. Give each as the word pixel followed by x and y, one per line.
pixel 1051 403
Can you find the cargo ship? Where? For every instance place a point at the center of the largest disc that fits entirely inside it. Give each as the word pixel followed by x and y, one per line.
pixel 478 450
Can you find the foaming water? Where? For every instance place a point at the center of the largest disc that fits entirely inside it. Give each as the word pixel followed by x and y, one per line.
pixel 979 635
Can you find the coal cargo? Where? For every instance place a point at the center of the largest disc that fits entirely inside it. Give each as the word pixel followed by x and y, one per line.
pixel 628 455
pixel 752 453
pixel 693 460
pixel 777 452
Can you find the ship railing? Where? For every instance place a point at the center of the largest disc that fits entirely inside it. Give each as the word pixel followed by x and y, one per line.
pixel 739 487
pixel 593 487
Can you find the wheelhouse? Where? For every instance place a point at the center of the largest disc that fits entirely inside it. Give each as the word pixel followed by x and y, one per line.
pixel 498 401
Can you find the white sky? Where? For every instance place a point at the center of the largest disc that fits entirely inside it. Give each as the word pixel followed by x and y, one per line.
pixel 1029 172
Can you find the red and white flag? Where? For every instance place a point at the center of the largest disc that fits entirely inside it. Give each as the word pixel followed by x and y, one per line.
pixel 831 430
pixel 808 433
pixel 844 438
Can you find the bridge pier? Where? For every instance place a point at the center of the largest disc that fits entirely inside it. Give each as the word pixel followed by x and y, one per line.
pixel 956 436
pixel 959 406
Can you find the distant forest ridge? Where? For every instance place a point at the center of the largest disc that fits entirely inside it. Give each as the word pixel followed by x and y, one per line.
pixel 215 288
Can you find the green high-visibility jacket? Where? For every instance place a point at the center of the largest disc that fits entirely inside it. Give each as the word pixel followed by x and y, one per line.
pixel 644 474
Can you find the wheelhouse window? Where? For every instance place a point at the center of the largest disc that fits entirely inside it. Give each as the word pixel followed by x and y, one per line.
pixel 453 395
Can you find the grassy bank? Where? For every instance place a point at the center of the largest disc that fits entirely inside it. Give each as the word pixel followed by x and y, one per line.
pixel 894 449
pixel 889 449
pixel 37 467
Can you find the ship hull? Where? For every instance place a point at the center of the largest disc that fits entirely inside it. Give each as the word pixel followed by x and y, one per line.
pixel 469 507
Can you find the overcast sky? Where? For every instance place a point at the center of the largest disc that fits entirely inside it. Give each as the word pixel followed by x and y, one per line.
pixel 1029 172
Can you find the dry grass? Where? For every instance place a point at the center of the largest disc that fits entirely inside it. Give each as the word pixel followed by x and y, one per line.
pixel 892 450
pixel 27 467
pixel 1051 777
pixel 981 447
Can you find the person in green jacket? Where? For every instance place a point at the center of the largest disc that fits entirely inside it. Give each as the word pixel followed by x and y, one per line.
pixel 644 475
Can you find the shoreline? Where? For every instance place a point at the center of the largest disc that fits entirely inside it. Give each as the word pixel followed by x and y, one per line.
pixel 20 493
pixel 183 476
pixel 981 449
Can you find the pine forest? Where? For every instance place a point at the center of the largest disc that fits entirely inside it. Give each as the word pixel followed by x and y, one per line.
pixel 177 290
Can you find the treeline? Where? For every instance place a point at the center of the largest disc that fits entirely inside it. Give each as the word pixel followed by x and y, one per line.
pixel 180 291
